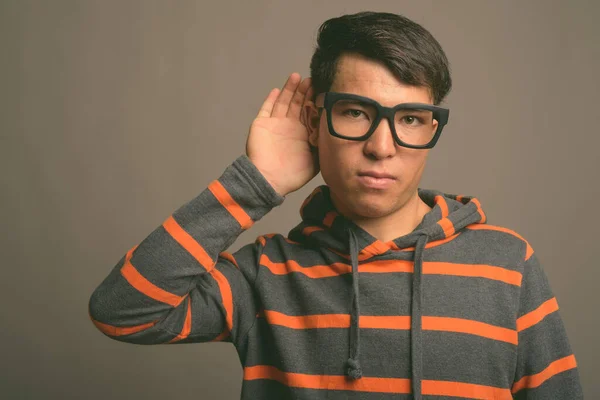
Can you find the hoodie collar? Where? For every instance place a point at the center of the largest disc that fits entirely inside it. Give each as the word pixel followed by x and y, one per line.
pixel 323 226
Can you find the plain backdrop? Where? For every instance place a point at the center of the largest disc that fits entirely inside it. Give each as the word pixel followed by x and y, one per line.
pixel 115 113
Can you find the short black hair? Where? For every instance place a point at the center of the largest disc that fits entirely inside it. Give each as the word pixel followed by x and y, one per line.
pixel 411 53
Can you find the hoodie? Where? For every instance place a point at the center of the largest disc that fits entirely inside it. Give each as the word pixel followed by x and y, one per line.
pixel 457 308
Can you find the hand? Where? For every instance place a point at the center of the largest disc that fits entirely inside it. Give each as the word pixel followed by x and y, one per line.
pixel 278 140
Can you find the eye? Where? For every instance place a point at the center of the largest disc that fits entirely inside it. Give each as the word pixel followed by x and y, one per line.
pixel 353 112
pixel 411 119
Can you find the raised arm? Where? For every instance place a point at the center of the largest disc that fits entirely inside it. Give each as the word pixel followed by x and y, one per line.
pixel 179 284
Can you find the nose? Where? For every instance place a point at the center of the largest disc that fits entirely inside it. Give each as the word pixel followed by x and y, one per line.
pixel 381 143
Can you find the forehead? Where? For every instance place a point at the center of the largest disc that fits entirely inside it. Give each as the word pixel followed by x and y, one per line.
pixel 359 75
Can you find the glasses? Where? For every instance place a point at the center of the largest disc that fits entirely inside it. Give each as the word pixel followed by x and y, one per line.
pixel 354 117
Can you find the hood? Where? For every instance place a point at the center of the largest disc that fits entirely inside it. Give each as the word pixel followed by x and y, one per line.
pixel 323 226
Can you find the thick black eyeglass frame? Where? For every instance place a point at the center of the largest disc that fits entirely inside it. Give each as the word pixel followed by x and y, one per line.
pixel 327 99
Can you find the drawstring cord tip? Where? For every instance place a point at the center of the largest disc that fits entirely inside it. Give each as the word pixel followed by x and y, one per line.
pixel 353 369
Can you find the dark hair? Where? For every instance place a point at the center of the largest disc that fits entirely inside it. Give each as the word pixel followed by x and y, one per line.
pixel 410 52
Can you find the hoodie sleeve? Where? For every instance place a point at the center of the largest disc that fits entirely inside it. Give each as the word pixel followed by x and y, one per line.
pixel 179 284
pixel 546 367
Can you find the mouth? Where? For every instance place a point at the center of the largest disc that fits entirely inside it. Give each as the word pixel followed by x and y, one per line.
pixel 377 174
pixel 376 180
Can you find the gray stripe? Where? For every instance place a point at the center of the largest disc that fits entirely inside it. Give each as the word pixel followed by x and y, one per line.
pixel 384 353
pixel 562 386
pixel 460 357
pixel 481 247
pixel 206 220
pixel 106 303
pixel 155 256
pixel 478 299
pixel 534 358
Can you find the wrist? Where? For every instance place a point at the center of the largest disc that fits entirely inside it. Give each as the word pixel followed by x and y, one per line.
pixel 280 191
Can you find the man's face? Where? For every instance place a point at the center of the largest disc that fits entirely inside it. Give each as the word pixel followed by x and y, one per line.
pixel 342 161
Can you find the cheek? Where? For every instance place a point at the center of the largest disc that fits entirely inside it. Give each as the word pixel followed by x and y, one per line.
pixel 331 162
pixel 335 155
pixel 413 163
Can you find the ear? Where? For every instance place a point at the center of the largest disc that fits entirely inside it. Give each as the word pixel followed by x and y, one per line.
pixel 311 116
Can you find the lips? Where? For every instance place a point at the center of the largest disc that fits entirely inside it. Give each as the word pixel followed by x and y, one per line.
pixel 376 174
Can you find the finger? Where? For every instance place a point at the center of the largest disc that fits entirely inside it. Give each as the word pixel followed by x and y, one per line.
pixel 267 106
pixel 310 92
pixel 283 100
pixel 298 99
pixel 307 98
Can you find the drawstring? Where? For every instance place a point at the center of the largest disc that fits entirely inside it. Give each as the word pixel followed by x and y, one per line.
pixel 353 366
pixel 416 316
pixel 353 369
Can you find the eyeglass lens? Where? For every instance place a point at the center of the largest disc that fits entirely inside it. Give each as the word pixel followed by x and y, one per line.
pixel 351 118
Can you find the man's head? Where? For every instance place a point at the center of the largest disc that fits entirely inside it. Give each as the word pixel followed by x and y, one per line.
pixel 391 60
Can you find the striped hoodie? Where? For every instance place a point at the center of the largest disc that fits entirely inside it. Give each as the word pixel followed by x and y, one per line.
pixel 457 308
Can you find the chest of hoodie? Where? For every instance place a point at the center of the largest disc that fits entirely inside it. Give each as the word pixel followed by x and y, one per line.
pixel 305 299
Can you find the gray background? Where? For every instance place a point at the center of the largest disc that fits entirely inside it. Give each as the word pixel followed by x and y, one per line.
pixel 115 113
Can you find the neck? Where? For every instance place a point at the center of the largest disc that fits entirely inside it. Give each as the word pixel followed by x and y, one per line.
pixel 399 223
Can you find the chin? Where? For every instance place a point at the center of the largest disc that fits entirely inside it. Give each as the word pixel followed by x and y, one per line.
pixel 372 205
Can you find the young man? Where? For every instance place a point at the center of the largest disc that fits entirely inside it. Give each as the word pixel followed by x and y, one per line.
pixel 384 290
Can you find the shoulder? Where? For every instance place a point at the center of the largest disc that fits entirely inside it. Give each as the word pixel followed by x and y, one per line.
pixel 270 240
pixel 500 236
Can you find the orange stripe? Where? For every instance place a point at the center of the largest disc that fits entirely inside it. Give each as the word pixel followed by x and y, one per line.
pixel 460 389
pixel 460 325
pixel 480 211
pixel 188 242
pixel 374 384
pixel 261 240
pixel 392 245
pixel 398 322
pixel 317 271
pixel 440 201
pixel 229 257
pixel 187 324
pixel 460 198
pixel 435 243
pixel 361 256
pixel 392 266
pixel 310 229
pixel 146 287
pixel 447 227
pixel 290 241
pixel 473 270
pixel 222 336
pixel 226 296
pixel 230 204
pixel 535 316
pixel 335 269
pixel 376 248
pixel 331 382
pixel 121 330
pixel 556 367
pixel 307 321
pixel 329 218
pixel 529 250
pixel 322 321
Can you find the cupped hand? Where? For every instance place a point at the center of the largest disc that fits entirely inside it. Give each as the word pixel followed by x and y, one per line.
pixel 278 144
